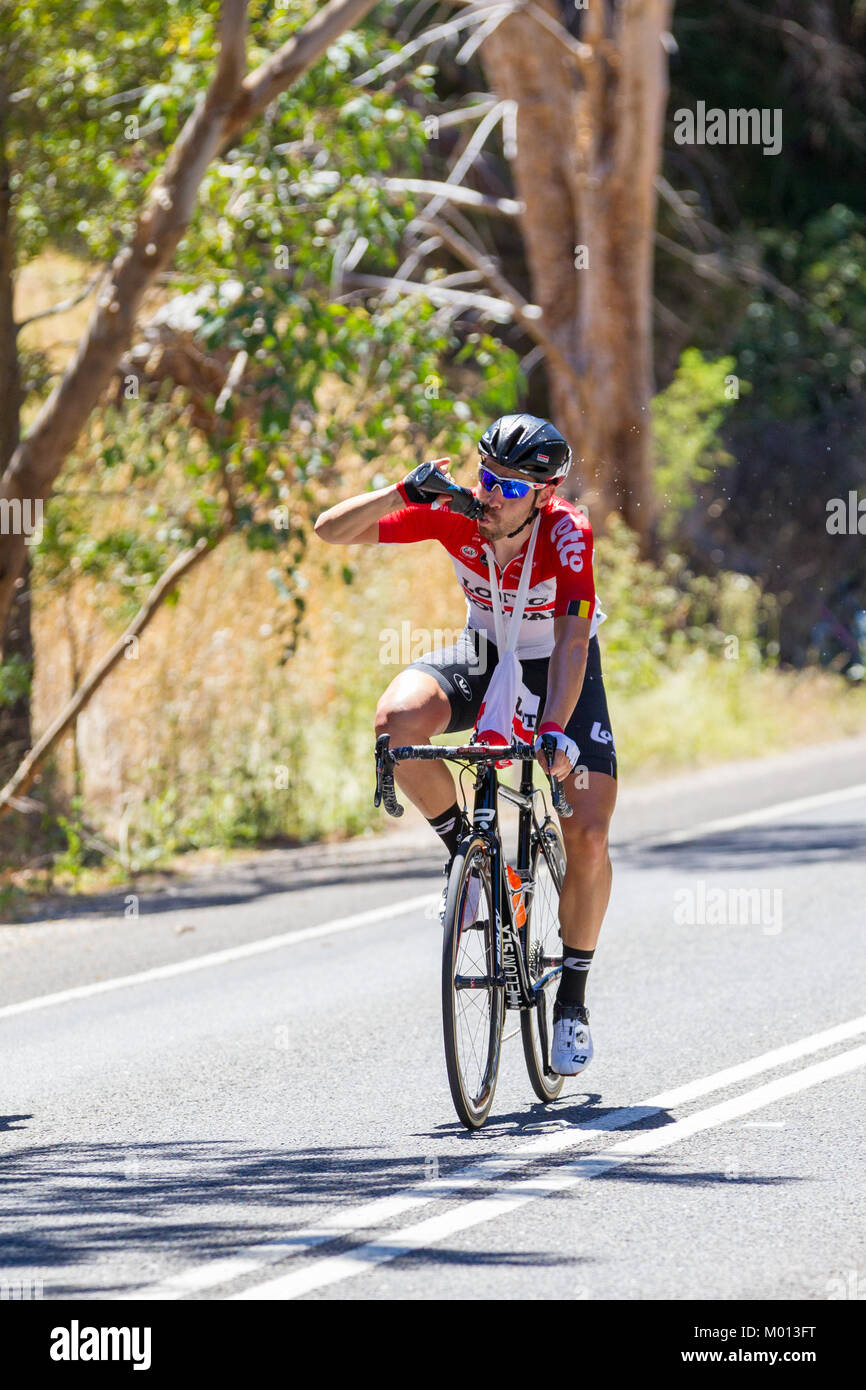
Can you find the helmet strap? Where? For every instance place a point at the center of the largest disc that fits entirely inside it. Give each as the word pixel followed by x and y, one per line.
pixel 530 518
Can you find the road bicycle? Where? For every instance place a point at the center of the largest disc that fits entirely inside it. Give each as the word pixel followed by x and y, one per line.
pixel 501 948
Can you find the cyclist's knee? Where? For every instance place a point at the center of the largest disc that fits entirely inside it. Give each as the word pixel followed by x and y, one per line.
pixel 412 709
pixel 405 725
pixel 586 845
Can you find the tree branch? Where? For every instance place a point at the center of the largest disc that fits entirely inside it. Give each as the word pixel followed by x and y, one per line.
pixel 498 309
pixel 455 193
pixel 528 315
pixel 580 53
pixel 475 14
pixel 465 113
pixel 229 104
pixel 296 55
pixel 473 148
pixel 65 304
pixel 236 371
pixel 26 771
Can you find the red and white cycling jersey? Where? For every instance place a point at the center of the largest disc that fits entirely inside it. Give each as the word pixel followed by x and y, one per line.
pixel 561 581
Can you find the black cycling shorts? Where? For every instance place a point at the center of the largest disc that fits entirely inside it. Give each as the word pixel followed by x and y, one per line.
pixel 464 670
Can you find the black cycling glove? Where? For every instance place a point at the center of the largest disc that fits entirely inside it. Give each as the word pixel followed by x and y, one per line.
pixel 426 483
pixel 412 488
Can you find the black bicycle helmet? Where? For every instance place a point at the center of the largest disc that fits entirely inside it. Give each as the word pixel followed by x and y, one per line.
pixel 529 445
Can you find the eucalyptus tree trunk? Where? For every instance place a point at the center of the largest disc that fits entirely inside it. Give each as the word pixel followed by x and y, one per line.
pixel 590 113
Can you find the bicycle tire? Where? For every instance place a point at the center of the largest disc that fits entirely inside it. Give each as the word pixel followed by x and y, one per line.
pixel 468 942
pixel 540 934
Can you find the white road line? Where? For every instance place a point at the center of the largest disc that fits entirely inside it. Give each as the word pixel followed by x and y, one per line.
pixel 473 1177
pixel 232 953
pixel 363 919
pixel 391 1245
pixel 779 810
pixel 221 1270
pixel 778 1057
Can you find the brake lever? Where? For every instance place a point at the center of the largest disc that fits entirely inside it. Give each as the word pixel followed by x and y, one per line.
pixel 560 805
pixel 385 777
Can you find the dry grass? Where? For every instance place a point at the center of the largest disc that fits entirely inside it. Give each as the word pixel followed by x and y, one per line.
pixel 207 710
pixel 205 739
pixel 46 281
pixel 187 741
pixel 712 711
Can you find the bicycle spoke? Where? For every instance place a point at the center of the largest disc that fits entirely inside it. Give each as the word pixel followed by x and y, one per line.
pixel 472 1012
pixel 473 1021
pixel 544 956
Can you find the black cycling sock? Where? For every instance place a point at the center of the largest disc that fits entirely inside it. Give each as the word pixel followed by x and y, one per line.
pixel 449 827
pixel 572 982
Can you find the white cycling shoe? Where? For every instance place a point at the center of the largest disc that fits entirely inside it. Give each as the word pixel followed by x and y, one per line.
pixel 571 1049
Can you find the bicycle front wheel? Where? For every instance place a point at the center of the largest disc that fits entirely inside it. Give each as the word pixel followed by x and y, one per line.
pixel 543 948
pixel 473 1003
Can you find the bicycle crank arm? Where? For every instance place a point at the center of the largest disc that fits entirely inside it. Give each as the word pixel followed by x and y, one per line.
pixel 541 1014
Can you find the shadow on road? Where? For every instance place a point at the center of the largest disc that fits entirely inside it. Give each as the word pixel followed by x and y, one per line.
pixel 243 884
pixel 12 1122
pixel 532 1121
pixel 289 872
pixel 66 1206
pixel 752 847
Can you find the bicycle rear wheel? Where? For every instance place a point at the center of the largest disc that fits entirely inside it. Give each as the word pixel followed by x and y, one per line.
pixel 473 1005
pixel 543 948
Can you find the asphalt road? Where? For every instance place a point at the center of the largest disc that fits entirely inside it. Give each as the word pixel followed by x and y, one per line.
pixel 234 1087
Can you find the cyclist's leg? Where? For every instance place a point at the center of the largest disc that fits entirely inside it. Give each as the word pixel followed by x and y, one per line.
pixel 440 693
pixel 591 792
pixel 412 710
pixel 588 873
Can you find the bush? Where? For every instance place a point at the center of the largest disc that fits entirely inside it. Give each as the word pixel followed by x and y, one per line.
pixel 659 616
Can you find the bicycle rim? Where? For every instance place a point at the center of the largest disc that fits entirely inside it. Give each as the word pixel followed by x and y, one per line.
pixel 543 953
pixel 473 1007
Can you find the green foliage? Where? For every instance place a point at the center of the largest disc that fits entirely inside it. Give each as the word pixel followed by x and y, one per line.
pixel 809 349
pixel 71 862
pixel 83 535
pixel 686 420
pixel 257 268
pixel 660 616
pixel 100 94
pixel 16 676
pixel 78 71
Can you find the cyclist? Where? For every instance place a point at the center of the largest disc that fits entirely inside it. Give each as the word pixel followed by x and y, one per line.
pixel 522 461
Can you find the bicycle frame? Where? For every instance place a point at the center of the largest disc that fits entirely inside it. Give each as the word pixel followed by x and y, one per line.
pixel 509 966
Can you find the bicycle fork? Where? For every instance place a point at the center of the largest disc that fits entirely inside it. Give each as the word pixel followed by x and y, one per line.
pixel 509 966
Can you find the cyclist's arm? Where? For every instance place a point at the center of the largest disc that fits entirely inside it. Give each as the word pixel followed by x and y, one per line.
pixel 567 668
pixel 572 624
pixel 356 520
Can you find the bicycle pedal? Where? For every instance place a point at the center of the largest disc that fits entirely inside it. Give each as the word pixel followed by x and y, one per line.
pixel 481 925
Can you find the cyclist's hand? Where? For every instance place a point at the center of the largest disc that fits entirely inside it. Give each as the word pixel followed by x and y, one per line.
pixel 410 491
pixel 567 751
